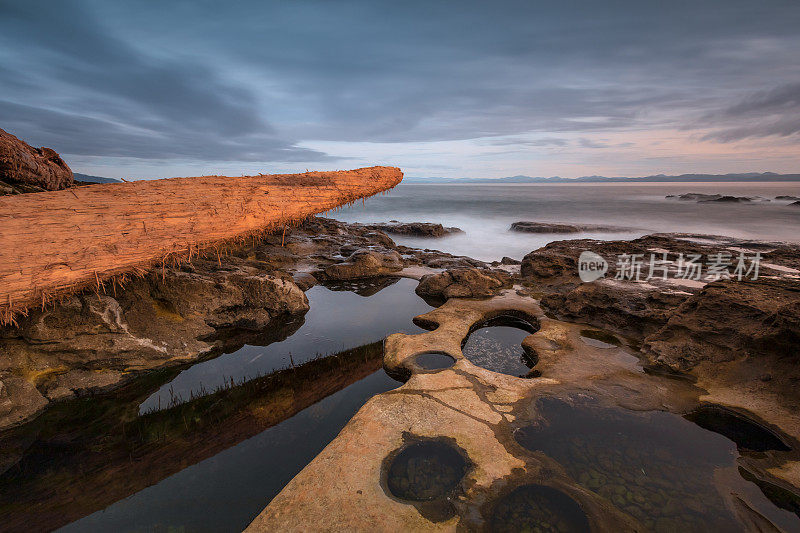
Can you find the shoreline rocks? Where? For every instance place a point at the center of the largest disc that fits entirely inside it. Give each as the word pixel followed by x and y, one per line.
pixel 679 322
pixel 524 226
pixel 415 229
pixel 24 168
pixel 90 343
pixel 718 198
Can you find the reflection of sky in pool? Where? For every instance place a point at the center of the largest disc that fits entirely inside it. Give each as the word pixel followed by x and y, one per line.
pixel 336 321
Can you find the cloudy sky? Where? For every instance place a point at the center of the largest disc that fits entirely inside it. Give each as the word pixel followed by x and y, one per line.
pixel 439 88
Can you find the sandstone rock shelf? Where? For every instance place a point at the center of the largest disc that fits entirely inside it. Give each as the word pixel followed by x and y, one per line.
pixel 60 241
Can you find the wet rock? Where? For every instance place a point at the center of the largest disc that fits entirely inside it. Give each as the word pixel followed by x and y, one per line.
pixel 694 196
pixel 366 264
pixel 25 165
pixel 551 227
pixel 728 199
pixel 510 261
pixel 93 342
pixel 463 283
pixel 788 198
pixel 795 204
pixel 304 280
pixel 702 197
pixel 416 229
pixel 19 399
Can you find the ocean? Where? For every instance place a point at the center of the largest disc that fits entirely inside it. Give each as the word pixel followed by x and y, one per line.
pixel 485 213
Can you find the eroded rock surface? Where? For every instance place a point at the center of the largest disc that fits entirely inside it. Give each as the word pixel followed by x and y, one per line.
pixel 366 264
pixel 552 227
pixel 463 283
pixel 480 414
pixel 739 339
pixel 26 169
pixel 416 229
pixel 729 320
pixel 93 342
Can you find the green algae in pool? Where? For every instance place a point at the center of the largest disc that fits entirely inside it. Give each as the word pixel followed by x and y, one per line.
pixel 537 508
pixel 655 466
pixel 496 345
pixel 425 470
pixel 434 361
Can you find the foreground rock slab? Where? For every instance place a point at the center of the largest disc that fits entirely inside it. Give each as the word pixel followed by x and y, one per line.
pixel 476 412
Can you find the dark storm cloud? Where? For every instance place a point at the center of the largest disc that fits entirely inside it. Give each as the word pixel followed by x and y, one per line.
pixel 245 80
pixel 98 95
pixel 763 114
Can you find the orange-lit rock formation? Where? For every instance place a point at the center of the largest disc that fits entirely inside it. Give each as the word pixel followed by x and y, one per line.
pixel 59 241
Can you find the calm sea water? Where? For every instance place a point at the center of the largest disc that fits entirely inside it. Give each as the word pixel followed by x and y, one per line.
pixel 485 212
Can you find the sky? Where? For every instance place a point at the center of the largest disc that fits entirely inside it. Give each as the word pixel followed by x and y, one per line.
pixel 146 89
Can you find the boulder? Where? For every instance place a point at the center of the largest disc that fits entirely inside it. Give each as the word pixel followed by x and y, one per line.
pixel 23 164
pixel 463 283
pixel 366 264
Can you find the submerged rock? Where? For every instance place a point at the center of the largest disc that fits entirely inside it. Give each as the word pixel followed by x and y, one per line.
pixel 25 167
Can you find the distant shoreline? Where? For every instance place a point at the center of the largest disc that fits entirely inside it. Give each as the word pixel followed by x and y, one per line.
pixel 588 183
pixel 766 177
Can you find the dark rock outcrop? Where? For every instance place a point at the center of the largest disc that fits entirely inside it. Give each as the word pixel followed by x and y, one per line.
pixel 463 283
pixel 728 320
pixel 415 229
pixel 681 323
pixel 23 166
pixel 632 309
pixel 366 264
pixel 524 226
pixel 702 197
pixel 728 199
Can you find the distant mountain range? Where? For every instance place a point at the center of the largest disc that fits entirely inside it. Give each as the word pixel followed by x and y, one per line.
pixel 659 178
pixel 94 179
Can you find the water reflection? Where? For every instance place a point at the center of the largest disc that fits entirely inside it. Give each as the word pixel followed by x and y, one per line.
pixel 655 466
pixel 212 463
pixel 338 319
